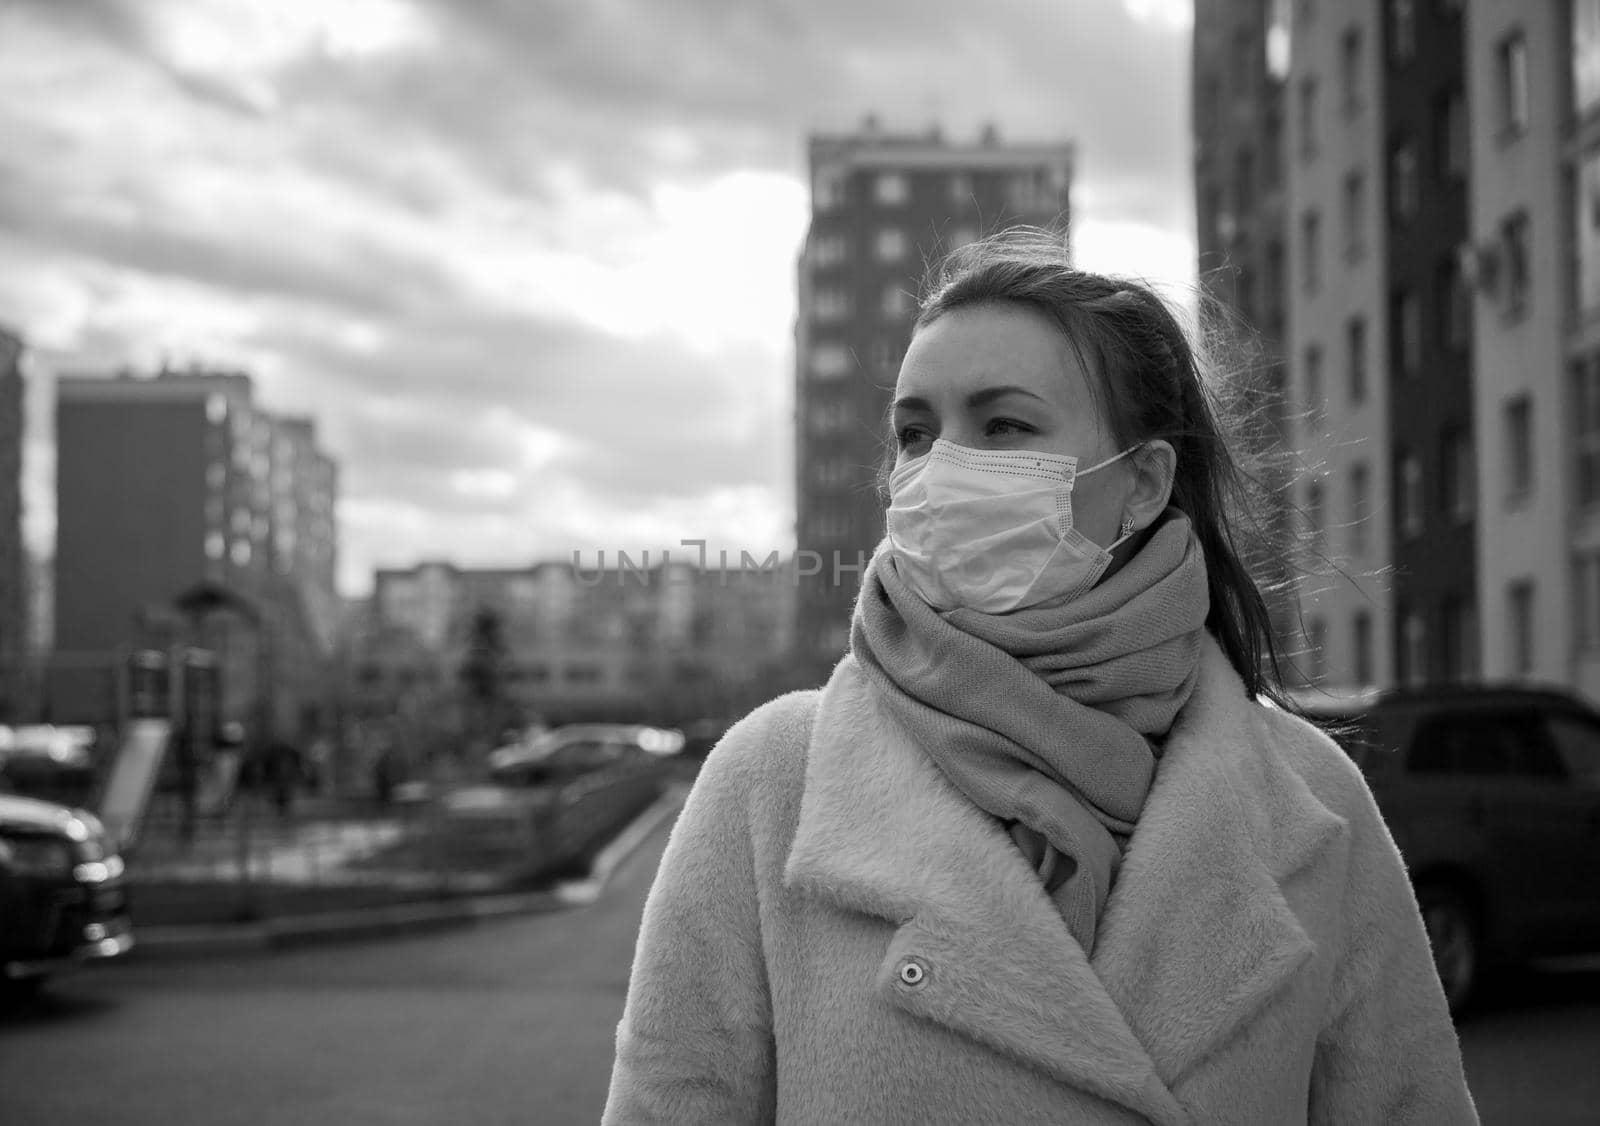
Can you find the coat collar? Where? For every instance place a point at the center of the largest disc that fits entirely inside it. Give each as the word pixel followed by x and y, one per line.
pixel 1195 937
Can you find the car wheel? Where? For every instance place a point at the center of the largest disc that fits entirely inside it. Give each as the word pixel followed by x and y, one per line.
pixel 1453 937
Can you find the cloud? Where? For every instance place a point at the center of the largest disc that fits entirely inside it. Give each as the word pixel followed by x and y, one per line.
pixel 531 266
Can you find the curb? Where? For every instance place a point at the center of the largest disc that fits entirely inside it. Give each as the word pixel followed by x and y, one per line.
pixel 408 918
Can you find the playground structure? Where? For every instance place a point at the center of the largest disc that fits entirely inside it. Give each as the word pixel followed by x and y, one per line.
pixel 156 712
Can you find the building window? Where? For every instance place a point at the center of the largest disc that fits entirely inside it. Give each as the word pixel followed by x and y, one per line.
pixel 1457 639
pixel 829 361
pixel 885 356
pixel 829 417
pixel 1244 294
pixel 828 250
pixel 827 188
pixel 1519 609
pixel 961 236
pixel 216 545
pixel 1350 71
pixel 1450 135
pixel 891 189
pixel 1317 643
pixel 1404 191
pixel 1244 61
pixel 1519 448
pixel 1316 399
pixel 1355 206
pixel 1408 481
pixel 1316 512
pixel 1308 118
pixel 1413 649
pixel 890 244
pixel 1514 236
pixel 1272 148
pixel 1586 600
pixel 1585 56
pixel 1361 647
pixel 1586 439
pixel 1511 66
pixel 1457 483
pixel 1402 29
pixel 1587 232
pixel 1360 508
pixel 1355 332
pixel 897 303
pixel 1450 303
pixel 1030 192
pixel 1311 249
pixel 1405 332
pixel 828 304
pixel 1244 180
pixel 833 473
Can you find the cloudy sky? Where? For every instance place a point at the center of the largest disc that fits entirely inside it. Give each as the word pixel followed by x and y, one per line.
pixel 529 263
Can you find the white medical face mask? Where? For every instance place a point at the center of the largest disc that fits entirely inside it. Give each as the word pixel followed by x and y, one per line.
pixel 991 530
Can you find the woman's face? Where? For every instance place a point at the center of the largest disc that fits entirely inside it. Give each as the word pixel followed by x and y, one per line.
pixel 1002 377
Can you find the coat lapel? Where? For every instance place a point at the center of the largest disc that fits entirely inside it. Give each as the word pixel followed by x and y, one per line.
pixel 882 832
pixel 1196 934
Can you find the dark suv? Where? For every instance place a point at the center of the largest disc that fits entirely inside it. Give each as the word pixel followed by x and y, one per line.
pixel 1493 797
pixel 63 898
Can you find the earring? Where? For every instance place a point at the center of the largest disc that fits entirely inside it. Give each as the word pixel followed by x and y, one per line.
pixel 1127 526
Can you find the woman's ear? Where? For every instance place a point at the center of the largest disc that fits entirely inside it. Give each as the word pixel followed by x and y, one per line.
pixel 1153 465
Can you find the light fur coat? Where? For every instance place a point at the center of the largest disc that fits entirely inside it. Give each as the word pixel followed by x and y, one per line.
pixel 1261 958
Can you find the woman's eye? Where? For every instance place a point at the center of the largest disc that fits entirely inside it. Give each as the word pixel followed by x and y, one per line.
pixel 1004 426
pixel 909 436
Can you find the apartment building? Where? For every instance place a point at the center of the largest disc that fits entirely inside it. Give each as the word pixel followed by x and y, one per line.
pixel 635 639
pixel 1442 210
pixel 171 483
pixel 16 644
pixel 884 206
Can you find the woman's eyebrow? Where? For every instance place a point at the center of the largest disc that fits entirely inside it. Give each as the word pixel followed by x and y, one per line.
pixel 981 397
pixel 988 395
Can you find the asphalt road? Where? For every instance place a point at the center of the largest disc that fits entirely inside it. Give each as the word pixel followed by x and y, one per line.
pixel 511 1021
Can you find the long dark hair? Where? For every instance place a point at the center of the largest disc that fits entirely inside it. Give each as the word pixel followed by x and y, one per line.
pixel 1150 382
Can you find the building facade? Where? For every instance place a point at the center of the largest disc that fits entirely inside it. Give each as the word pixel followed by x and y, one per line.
pixel 883 207
pixel 16 645
pixel 1433 459
pixel 636 641
pixel 1240 66
pixel 1463 138
pixel 179 483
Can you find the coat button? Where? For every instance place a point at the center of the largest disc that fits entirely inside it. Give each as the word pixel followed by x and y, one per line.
pixel 913 973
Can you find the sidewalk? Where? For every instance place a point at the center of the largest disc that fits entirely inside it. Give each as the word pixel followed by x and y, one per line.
pixel 384 906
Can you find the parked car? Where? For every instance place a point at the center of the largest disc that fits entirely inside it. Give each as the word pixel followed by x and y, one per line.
pixel 55 764
pixel 63 896
pixel 558 756
pixel 1493 797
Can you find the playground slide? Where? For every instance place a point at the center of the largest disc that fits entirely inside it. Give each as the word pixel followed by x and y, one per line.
pixel 132 778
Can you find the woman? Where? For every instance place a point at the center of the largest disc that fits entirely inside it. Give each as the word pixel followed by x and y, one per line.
pixel 1043 849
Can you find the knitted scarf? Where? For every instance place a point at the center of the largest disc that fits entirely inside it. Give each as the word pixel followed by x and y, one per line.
pixel 1044 717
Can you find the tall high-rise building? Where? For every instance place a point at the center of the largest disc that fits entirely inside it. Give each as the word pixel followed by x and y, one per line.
pixel 883 207
pixel 1442 212
pixel 169 484
pixel 15 647
pixel 1240 61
